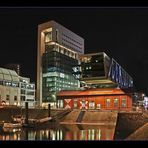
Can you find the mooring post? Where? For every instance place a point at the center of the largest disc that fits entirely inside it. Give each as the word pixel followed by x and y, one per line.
pixel 48 110
pixel 26 112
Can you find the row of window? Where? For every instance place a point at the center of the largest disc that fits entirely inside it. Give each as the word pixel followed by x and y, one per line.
pixel 27 92
pixel 27 86
pixel 8 98
pixel 60 82
pixel 16 84
pixel 68 80
pixel 15 98
pixel 92 59
pixel 71 43
pixel 71 39
pixel 50 48
pixel 60 87
pixel 108 103
pixel 92 104
pixel 9 83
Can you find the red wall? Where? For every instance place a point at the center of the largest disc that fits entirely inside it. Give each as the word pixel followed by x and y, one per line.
pixel 101 100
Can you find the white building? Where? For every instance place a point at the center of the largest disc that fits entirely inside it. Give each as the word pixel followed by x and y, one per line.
pixel 16 90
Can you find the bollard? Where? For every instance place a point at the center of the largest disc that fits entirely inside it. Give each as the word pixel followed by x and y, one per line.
pixel 26 134
pixel 26 113
pixel 48 110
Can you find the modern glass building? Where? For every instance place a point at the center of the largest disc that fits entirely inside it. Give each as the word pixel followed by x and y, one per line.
pixel 58 50
pixel 100 71
pixel 57 72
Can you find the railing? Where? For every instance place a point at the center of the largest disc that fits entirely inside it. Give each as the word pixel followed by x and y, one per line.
pixel 61 114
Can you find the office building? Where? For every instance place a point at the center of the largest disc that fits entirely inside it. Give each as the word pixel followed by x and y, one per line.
pixel 97 70
pixel 58 51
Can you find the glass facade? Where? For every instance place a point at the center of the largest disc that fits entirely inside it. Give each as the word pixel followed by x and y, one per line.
pixel 57 63
pixel 92 66
pixel 97 70
pixel 119 75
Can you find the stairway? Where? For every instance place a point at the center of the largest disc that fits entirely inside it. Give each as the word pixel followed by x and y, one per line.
pixel 80 117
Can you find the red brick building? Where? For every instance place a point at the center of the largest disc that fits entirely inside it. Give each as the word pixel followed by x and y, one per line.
pixel 102 98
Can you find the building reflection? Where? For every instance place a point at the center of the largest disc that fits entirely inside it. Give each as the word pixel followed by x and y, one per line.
pixel 102 133
pixel 10 136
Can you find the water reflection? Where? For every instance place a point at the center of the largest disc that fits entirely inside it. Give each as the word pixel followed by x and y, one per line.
pixel 66 132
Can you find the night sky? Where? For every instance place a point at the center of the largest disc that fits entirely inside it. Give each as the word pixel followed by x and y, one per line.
pixel 120 32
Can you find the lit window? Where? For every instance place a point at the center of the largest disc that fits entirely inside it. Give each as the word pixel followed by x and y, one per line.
pixel 123 102
pixel 48 37
pixel 91 105
pixel 75 104
pixel 98 106
pixel 107 102
pixel 115 102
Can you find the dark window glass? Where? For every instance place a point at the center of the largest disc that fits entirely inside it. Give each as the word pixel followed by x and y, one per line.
pixel 15 98
pixel 7 97
pixel 23 98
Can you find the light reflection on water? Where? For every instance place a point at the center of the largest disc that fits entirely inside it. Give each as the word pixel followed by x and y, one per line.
pixel 66 132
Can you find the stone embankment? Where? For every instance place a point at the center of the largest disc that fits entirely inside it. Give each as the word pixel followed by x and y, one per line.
pixel 7 113
pixel 90 117
pixel 128 123
pixel 140 134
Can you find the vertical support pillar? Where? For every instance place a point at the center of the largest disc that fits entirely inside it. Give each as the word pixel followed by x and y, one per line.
pixel 26 112
pixel 49 110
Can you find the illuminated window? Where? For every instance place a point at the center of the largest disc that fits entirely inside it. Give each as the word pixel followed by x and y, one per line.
pixel 91 105
pixel 60 103
pixel 123 104
pixel 107 102
pixel 48 37
pixel 75 104
pixel 98 106
pixel 115 102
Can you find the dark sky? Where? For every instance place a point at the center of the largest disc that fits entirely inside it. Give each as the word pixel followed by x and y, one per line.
pixel 121 32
